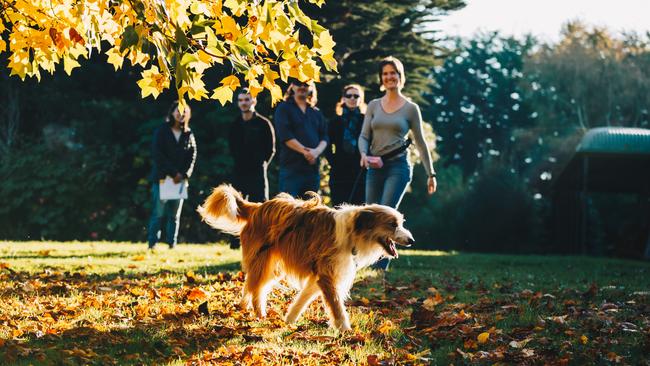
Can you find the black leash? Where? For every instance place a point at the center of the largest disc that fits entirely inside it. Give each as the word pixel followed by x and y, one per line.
pixel 356 183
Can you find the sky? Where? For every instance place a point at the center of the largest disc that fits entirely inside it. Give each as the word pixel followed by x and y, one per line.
pixel 544 17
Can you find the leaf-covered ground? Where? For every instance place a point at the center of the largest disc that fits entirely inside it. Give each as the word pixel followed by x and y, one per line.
pixel 115 303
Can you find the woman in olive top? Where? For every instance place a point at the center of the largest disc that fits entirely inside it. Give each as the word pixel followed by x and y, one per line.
pixel 387 122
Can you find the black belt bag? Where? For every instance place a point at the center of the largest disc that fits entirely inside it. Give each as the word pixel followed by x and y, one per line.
pixel 377 162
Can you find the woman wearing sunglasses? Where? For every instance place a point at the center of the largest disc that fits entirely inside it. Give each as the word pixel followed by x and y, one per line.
pixel 347 178
pixel 383 142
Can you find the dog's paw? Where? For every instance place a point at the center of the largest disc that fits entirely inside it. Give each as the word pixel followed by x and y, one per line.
pixel 345 328
pixel 342 325
pixel 245 304
pixel 290 318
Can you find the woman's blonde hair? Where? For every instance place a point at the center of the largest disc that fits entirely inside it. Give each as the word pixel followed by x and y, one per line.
pixel 399 67
pixel 341 103
pixel 312 96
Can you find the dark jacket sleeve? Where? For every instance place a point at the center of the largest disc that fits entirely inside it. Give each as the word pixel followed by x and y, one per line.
pixel 282 127
pixel 322 129
pixel 269 141
pixel 190 157
pixel 163 163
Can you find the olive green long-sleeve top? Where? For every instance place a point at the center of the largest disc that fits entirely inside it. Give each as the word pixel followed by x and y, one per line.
pixel 383 132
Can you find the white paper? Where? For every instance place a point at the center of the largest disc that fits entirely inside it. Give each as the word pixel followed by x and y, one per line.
pixel 173 191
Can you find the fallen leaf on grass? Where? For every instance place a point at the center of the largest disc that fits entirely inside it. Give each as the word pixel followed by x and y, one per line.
pixel 431 302
pixel 483 337
pixel 519 344
pixel 305 337
pixel 358 338
pixel 197 294
pixel 470 344
pixel 373 360
pixel 386 327
pixel 138 258
pixel 191 277
pixel 613 357
pixel 527 352
pixel 558 319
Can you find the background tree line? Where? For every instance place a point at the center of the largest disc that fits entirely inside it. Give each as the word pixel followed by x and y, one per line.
pixel 507 113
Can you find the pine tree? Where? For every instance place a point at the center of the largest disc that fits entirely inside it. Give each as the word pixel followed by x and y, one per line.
pixel 368 30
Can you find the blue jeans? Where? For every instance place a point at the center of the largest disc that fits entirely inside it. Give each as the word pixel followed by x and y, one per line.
pixel 386 186
pixel 170 211
pixel 296 183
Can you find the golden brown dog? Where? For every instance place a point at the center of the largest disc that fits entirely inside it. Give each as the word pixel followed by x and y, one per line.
pixel 318 249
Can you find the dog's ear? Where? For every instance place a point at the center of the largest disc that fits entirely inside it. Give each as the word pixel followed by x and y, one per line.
pixel 365 220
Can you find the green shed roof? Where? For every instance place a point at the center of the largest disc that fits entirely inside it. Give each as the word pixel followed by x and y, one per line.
pixel 616 140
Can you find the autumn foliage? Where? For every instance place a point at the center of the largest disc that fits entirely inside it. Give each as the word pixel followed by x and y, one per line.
pixel 174 41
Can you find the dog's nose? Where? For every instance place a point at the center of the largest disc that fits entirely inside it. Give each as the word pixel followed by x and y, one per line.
pixel 411 241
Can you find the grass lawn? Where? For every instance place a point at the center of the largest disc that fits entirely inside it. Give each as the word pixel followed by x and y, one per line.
pixel 116 303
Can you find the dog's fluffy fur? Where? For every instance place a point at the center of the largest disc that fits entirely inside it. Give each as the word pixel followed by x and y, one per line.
pixel 317 248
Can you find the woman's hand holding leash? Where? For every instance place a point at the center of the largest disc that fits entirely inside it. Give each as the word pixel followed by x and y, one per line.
pixel 364 161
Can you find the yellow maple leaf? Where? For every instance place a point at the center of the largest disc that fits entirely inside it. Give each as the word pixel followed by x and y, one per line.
pixel 115 58
pixel 254 88
pixel 236 6
pixel 195 88
pixel 229 28
pixel 329 61
pixel 325 43
pixel 69 64
pixel 483 337
pixel 231 81
pixel 386 327
pixel 153 82
pixel 223 94
pixel 276 94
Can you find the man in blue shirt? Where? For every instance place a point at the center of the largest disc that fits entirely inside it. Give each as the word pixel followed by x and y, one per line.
pixel 301 131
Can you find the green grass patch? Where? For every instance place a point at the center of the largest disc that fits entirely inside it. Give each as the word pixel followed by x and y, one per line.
pixel 117 303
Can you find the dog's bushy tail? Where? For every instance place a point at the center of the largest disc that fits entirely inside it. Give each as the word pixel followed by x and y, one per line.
pixel 226 210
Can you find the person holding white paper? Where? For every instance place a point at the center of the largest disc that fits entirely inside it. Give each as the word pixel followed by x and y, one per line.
pixel 174 154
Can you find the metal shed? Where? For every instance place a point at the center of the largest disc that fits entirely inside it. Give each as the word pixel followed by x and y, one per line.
pixel 607 160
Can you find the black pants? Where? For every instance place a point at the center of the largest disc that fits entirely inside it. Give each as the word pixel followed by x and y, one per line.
pixel 254 186
pixel 342 184
pixel 252 183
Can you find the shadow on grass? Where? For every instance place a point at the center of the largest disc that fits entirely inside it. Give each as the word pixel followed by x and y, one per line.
pixel 154 342
pixel 56 283
pixel 51 256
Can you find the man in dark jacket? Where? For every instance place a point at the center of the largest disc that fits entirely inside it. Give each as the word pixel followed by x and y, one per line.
pixel 252 146
pixel 302 134
pixel 174 154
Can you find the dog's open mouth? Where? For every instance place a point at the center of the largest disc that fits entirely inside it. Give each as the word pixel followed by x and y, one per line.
pixel 389 246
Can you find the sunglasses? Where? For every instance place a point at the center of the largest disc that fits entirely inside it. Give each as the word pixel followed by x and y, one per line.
pixel 300 85
pixel 350 96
